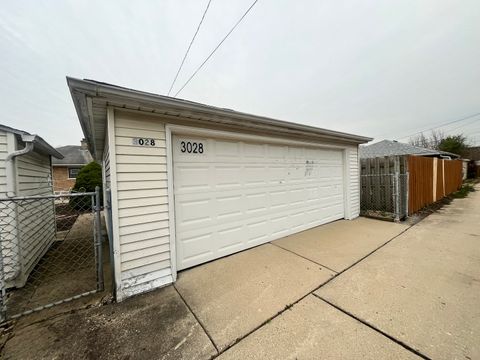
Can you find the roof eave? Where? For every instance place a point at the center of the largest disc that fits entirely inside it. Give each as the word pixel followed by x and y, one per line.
pixel 161 101
pixel 38 141
pixel 43 146
pixel 80 89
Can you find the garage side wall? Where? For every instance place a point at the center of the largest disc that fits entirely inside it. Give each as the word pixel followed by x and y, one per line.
pixel 353 184
pixel 3 156
pixel 141 201
pixel 34 177
pixel 106 180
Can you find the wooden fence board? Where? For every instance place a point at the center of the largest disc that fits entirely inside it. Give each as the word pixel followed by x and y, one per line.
pixel 421 169
pixel 440 183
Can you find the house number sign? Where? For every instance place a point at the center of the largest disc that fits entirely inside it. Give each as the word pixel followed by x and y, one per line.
pixel 192 147
pixel 147 142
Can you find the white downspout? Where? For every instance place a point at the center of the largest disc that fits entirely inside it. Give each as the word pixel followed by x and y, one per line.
pixel 10 165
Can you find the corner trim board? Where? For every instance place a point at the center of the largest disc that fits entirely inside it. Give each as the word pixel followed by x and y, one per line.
pixel 114 193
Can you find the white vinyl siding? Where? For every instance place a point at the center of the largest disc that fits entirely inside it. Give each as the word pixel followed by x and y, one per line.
pixel 34 177
pixel 34 174
pixel 8 224
pixel 30 225
pixel 106 168
pixel 106 182
pixel 353 185
pixel 142 205
pixel 3 155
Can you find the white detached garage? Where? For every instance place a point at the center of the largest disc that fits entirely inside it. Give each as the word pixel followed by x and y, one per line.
pixel 192 183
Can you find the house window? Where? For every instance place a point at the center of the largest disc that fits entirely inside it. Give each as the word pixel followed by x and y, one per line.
pixel 73 172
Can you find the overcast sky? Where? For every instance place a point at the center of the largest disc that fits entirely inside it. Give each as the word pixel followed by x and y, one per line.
pixel 379 68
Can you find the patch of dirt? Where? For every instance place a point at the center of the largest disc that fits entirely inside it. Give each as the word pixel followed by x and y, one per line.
pixel 379 215
pixel 154 325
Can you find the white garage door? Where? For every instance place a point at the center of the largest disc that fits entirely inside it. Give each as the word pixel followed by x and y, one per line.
pixel 232 195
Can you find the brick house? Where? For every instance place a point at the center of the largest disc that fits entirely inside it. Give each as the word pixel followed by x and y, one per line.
pixel 65 170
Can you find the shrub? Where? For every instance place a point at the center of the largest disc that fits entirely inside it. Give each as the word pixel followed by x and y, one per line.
pixel 89 177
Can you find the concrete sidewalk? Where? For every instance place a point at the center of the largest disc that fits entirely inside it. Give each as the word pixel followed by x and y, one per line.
pixel 350 289
pixel 424 287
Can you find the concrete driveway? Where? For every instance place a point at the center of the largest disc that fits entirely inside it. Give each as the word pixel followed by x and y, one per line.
pixel 350 289
pixel 235 295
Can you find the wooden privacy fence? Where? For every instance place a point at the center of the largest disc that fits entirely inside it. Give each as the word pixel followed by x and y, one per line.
pixel 396 186
pixel 431 179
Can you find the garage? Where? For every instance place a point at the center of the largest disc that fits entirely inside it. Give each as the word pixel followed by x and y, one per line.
pixel 231 195
pixel 187 183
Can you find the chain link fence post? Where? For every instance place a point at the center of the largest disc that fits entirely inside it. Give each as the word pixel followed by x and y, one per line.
pixel 396 182
pixel 98 240
pixel 3 299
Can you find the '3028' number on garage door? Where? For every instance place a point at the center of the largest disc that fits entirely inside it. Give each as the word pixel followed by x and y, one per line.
pixel 191 147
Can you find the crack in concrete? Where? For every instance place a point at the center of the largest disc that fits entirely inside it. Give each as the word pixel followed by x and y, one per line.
pixel 388 336
pixel 288 306
pixel 294 253
pixel 198 320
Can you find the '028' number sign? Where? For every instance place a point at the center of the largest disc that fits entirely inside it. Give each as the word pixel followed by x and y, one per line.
pixel 191 147
pixel 143 141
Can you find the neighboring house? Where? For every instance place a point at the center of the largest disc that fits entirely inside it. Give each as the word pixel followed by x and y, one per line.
pixel 472 153
pixel 65 170
pixel 192 183
pixel 394 148
pixel 25 168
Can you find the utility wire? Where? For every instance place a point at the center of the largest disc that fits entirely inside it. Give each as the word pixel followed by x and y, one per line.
pixel 188 49
pixel 216 48
pixel 441 125
pixel 462 125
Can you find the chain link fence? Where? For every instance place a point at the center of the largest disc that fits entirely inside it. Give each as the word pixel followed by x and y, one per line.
pixel 384 195
pixel 50 251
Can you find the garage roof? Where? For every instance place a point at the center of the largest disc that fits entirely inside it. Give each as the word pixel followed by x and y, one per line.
pixel 91 99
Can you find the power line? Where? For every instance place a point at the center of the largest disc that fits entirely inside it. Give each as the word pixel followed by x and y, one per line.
pixel 462 125
pixel 189 46
pixel 216 48
pixel 441 125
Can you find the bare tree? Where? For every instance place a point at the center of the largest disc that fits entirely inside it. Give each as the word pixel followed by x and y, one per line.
pixel 436 139
pixel 431 142
pixel 419 140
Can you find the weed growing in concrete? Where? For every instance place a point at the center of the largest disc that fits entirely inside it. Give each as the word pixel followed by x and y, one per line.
pixel 463 192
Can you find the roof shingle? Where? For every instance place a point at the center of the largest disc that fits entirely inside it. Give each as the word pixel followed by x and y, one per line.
pixel 73 155
pixel 392 148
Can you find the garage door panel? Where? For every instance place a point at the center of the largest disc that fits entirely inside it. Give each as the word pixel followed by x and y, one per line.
pixel 254 151
pixel 238 194
pixel 201 210
pixel 227 148
pixel 192 177
pixel 194 249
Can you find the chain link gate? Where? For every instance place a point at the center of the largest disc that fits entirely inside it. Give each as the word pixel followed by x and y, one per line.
pixel 384 195
pixel 50 251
